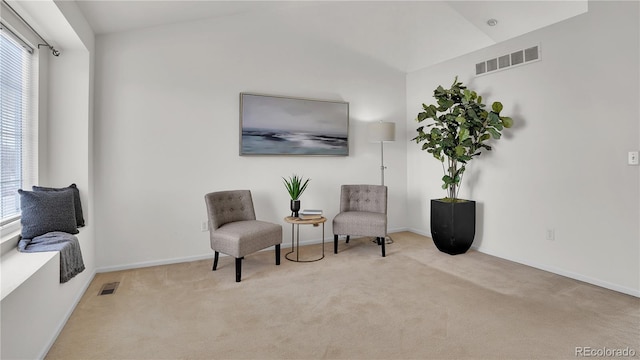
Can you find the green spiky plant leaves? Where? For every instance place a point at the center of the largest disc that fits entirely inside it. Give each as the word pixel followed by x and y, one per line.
pixel 295 186
pixel 459 132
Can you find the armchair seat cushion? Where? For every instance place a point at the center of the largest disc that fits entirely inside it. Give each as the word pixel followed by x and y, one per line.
pixel 362 223
pixel 241 238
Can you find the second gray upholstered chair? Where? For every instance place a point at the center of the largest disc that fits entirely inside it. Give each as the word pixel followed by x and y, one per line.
pixel 363 211
pixel 234 230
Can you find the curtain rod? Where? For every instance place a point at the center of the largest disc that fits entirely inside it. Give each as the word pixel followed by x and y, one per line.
pixel 54 51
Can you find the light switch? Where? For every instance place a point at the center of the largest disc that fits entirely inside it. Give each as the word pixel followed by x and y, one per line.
pixel 633 158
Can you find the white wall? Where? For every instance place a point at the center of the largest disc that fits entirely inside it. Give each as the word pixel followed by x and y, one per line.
pixel 167 130
pixel 563 165
pixel 34 313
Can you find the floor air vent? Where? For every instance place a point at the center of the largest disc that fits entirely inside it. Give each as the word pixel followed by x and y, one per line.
pixel 108 289
pixel 516 58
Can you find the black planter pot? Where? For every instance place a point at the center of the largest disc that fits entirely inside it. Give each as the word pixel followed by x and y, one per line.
pixel 295 207
pixel 453 225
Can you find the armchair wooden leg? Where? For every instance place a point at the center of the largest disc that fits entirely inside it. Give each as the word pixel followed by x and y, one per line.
pixel 215 261
pixel 278 254
pixel 335 244
pixel 382 241
pixel 238 268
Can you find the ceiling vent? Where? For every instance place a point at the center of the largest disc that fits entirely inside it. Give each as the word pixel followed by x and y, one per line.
pixel 507 61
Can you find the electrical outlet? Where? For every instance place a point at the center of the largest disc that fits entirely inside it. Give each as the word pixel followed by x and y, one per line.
pixel 204 226
pixel 632 158
pixel 551 234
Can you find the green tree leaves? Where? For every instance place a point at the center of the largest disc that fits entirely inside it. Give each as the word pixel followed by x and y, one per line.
pixel 295 186
pixel 459 129
pixel 463 135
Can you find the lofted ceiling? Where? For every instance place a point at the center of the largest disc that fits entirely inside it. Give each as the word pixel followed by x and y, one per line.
pixel 405 35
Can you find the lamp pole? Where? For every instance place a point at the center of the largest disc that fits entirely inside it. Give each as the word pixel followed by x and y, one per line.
pixel 382 131
pixel 382 167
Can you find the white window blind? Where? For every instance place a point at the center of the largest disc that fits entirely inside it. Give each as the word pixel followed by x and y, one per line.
pixel 18 128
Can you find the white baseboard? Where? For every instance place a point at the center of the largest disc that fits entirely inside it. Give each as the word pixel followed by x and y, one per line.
pixel 66 317
pixel 154 263
pixel 420 232
pixel 285 244
pixel 566 273
pixel 552 269
pixel 178 260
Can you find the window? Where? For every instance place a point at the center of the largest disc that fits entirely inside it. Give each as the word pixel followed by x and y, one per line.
pixel 18 127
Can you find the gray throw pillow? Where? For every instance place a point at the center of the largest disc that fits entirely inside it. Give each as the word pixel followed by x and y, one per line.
pixel 76 200
pixel 47 211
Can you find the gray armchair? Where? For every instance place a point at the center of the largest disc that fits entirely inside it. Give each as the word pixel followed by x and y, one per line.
pixel 363 211
pixel 234 230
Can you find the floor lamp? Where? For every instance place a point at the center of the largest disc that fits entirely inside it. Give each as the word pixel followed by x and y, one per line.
pixel 381 132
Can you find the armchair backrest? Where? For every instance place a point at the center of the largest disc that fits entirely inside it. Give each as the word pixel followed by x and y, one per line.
pixel 371 198
pixel 229 206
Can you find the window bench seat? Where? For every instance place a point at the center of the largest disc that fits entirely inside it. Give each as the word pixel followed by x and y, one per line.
pixel 17 267
pixel 28 279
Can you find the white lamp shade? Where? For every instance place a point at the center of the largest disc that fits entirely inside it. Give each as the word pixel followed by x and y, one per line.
pixel 382 131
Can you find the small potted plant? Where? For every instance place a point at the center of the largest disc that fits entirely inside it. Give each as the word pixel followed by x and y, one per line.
pixel 459 131
pixel 295 186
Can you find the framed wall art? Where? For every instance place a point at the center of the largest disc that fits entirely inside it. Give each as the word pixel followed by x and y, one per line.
pixel 277 125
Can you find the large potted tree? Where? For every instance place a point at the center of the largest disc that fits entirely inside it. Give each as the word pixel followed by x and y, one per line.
pixel 459 131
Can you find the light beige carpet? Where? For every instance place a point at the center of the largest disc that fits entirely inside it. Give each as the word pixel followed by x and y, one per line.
pixel 416 303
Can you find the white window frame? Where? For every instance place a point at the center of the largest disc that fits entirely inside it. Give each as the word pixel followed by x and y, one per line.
pixel 11 27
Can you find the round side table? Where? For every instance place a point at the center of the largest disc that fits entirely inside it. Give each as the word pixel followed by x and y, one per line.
pixel 295 228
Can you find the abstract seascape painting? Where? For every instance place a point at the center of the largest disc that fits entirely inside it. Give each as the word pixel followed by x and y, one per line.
pixel 275 125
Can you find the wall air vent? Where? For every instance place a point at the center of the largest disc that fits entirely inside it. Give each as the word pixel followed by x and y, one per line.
pixel 517 57
pixel 503 62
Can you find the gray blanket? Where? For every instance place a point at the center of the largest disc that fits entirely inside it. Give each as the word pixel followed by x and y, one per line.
pixel 71 263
